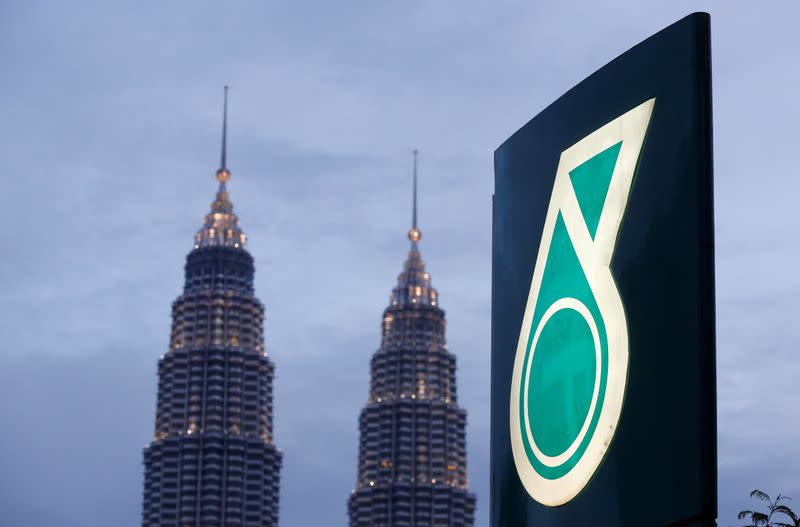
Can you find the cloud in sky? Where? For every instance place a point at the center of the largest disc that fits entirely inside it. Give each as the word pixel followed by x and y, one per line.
pixel 110 135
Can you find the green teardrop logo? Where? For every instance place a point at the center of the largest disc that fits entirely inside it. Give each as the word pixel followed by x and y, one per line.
pixel 571 362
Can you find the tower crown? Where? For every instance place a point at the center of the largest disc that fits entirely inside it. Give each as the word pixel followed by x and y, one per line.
pixel 221 226
pixel 414 283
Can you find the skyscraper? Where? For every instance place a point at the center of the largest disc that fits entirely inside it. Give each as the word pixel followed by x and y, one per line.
pixel 212 461
pixel 412 453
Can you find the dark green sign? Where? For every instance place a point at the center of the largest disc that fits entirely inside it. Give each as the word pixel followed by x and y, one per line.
pixel 603 367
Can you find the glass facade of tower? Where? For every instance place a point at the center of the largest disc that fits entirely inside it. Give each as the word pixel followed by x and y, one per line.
pixel 412 452
pixel 212 461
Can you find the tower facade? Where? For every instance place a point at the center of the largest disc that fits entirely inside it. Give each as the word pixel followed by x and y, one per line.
pixel 212 461
pixel 412 452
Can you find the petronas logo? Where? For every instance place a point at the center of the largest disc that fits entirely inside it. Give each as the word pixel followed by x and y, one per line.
pixel 571 364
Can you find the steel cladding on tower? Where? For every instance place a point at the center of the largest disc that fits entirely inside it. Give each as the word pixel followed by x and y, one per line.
pixel 603 339
pixel 412 468
pixel 212 461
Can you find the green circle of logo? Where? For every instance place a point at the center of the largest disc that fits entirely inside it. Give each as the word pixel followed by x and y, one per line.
pixel 562 379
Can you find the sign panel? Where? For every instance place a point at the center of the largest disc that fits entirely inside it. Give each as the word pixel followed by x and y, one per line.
pixel 603 383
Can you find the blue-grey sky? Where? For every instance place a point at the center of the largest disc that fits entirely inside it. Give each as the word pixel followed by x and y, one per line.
pixel 110 131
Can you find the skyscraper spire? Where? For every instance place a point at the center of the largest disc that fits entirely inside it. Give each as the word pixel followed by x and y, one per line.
pixel 223 174
pixel 221 226
pixel 414 234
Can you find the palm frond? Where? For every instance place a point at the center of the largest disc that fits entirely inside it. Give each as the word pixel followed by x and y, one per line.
pixel 759 494
pixel 759 517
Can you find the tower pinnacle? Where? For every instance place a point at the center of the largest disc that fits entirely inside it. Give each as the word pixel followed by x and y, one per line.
pixel 221 226
pixel 223 174
pixel 414 234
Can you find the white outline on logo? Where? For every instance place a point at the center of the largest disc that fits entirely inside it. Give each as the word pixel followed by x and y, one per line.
pixel 594 256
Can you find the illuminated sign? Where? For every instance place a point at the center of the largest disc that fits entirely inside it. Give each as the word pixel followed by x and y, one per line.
pixel 603 383
pixel 571 363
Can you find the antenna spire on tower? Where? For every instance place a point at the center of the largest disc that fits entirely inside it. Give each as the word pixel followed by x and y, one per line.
pixel 223 174
pixel 224 129
pixel 414 234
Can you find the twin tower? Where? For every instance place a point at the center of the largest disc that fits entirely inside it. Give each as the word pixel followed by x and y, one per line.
pixel 212 461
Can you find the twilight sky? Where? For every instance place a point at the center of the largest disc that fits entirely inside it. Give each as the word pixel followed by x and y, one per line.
pixel 110 130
